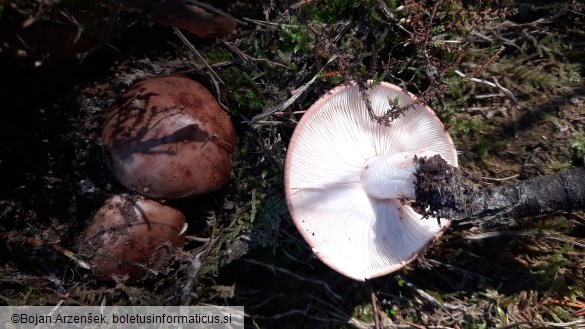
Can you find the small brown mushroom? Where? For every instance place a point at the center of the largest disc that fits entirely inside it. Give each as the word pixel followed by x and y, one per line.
pixel 131 236
pixel 169 138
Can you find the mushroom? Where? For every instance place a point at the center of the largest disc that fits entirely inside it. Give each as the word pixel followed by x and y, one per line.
pixel 168 138
pixel 199 19
pixel 132 236
pixel 349 179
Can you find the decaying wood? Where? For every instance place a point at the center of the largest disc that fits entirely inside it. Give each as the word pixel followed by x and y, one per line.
pixel 446 191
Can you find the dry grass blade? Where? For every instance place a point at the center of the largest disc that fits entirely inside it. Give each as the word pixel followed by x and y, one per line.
pixel 298 92
pixel 194 50
pixel 531 324
pixel 498 234
pixel 566 301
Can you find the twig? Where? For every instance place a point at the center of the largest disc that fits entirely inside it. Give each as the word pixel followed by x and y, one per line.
pixel 414 325
pixel 336 310
pixel 337 314
pixel 488 235
pixel 296 312
pixel 358 324
pixel 386 9
pixel 390 16
pixel 498 234
pixel 218 92
pixel 299 91
pixel 489 62
pixel 506 91
pixel 247 57
pixel 494 84
pixel 275 123
pixel 195 263
pixel 302 278
pixel 194 50
pixel 426 296
pixel 578 323
pixel 578 216
pixel 489 96
pixel 566 301
pixel 458 269
pixel 112 20
pixel 265 301
pixel 500 179
pixel 374 304
pixel 64 251
pixel 269 24
pixel 197 239
pixel 296 260
pixel 290 113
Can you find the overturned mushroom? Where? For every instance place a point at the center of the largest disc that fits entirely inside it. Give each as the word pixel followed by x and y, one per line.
pixel 349 179
pixel 130 236
pixel 169 138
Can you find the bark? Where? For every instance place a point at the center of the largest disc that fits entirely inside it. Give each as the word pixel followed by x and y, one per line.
pixel 451 192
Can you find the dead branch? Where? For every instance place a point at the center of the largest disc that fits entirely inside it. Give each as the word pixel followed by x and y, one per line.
pixel 299 91
pixel 450 192
pixel 494 84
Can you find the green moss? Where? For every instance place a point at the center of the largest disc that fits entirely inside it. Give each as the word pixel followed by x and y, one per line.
pixel 247 100
pixel 330 11
pixel 466 126
pixel 526 78
pixel 550 274
pixel 296 37
pixel 272 213
pixel 217 55
pixel 556 165
pixel 578 145
pixel 332 79
pixel 364 312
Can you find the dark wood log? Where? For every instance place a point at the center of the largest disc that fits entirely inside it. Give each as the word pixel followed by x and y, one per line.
pixel 450 192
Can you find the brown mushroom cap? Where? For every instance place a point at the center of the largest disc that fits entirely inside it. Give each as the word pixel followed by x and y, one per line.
pixel 130 236
pixel 169 138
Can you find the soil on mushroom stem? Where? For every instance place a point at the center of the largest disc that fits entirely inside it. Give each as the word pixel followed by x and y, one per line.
pixel 442 187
